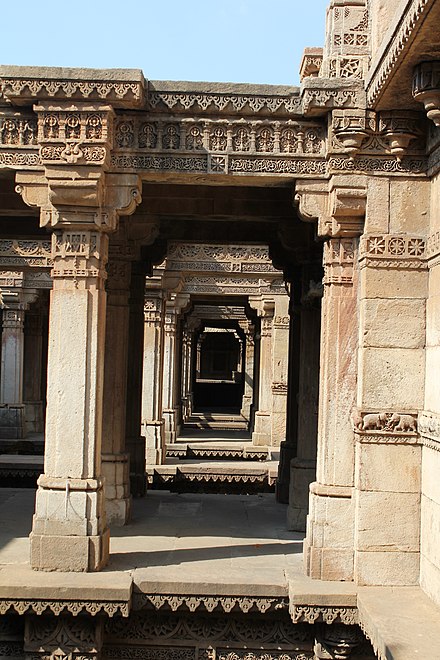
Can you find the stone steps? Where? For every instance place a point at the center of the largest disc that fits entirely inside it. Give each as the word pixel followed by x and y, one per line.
pixel 227 477
pixel 227 451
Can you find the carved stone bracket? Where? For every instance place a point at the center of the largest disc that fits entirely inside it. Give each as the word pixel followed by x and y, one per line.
pixel 338 206
pixel 426 88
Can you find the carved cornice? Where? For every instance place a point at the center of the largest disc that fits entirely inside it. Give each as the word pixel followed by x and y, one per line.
pixel 394 51
pixel 393 251
pixel 25 85
pixel 267 102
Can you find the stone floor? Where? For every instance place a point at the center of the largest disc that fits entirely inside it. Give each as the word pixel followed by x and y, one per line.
pixel 214 544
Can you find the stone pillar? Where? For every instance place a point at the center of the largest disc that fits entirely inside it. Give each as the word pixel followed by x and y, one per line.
pixel 249 365
pixel 288 447
pixel 115 460
pixel 152 381
pixel 392 337
pixel 63 637
pixel 262 434
pixel 80 202
pixel 280 362
pixel 339 206
pixel 328 548
pixel 187 367
pixel 303 465
pixel 135 442
pixel 33 369
pixel 15 302
pixel 170 401
pixel 69 529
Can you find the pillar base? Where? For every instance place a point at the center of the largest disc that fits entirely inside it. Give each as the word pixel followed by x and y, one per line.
pixel 116 472
pixel 12 421
pixel 34 416
pixel 135 445
pixel 170 425
pixel 78 554
pixel 302 474
pixel 262 431
pixel 287 452
pixel 154 442
pixel 329 543
pixel 69 531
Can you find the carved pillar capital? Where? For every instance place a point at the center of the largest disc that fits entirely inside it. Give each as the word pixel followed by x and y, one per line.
pixel 338 206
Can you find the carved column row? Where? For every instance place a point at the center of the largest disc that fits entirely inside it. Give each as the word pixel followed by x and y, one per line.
pixel 15 303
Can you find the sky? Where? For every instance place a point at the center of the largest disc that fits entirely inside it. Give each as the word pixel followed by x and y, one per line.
pixel 255 41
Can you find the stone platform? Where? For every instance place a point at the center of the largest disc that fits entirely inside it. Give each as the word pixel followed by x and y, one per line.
pixel 209 554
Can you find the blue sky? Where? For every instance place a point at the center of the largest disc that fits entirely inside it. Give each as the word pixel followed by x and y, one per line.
pixel 257 41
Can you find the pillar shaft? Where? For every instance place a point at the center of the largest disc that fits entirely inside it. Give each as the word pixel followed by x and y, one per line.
pixel 12 409
pixel 33 370
pixel 152 385
pixel 329 541
pixel 69 527
pixel 135 442
pixel 115 459
pixel 262 430
pixel 249 365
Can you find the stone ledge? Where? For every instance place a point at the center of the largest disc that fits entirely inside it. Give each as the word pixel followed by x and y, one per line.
pixel 401 622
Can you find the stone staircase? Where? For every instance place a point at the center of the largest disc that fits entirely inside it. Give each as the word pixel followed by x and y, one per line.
pixel 216 460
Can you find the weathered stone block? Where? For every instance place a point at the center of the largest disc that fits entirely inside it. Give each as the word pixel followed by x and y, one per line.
pixel 393 323
pixel 409 205
pixel 387 568
pixel 379 282
pixel 388 467
pixel 387 522
pixel 392 378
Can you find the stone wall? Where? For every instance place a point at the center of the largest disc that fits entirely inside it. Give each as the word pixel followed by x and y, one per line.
pixel 430 420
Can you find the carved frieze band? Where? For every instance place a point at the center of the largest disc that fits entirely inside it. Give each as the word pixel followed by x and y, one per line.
pixel 433 249
pixel 386 427
pixel 429 429
pixel 74 607
pixel 175 637
pixel 200 103
pixel 393 251
pixel 25 253
pixel 322 613
pixel 192 603
pixel 201 257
